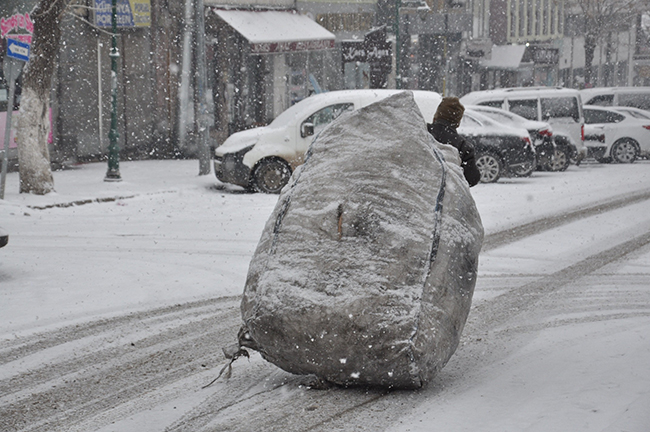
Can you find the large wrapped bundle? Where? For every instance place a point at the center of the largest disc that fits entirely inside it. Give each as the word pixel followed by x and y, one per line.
pixel 365 271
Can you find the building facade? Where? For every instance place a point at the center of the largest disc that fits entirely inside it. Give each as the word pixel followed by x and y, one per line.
pixel 265 55
pixel 541 42
pixel 429 45
pixel 619 52
pixel 263 61
pixel 146 79
pixel 535 25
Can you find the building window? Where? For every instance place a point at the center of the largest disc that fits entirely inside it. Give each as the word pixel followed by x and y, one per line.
pixel 534 20
pixel 530 18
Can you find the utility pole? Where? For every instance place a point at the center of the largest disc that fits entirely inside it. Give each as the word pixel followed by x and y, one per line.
pixel 203 122
pixel 186 66
pixel 113 173
pixel 12 70
pixel 630 51
pixel 398 72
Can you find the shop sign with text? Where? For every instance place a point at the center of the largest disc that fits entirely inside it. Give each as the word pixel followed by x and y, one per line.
pixel 130 13
pixel 18 26
pixel 278 47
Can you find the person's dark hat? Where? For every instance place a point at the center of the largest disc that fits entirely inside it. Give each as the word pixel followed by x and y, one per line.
pixel 450 109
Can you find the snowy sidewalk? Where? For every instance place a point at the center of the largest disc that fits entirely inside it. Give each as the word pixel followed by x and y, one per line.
pixel 85 183
pixel 163 235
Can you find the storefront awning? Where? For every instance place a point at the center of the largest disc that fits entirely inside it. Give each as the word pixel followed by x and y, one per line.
pixel 276 31
pixel 505 57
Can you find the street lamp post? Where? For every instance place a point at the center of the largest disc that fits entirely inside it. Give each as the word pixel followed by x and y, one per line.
pixel 202 85
pixel 113 173
pixel 398 72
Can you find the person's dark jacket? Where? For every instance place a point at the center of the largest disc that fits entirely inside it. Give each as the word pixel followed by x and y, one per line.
pixel 445 132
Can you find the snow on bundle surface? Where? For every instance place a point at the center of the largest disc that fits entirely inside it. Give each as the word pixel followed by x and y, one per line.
pixel 365 271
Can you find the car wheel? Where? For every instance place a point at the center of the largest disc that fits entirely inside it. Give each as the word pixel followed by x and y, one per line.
pixel 271 175
pixel 489 165
pixel 526 169
pixel 4 238
pixel 543 160
pixel 559 161
pixel 624 151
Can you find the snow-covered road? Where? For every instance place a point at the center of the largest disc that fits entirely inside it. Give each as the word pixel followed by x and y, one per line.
pixel 114 313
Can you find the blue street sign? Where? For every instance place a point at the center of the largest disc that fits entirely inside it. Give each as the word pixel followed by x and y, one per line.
pixel 18 50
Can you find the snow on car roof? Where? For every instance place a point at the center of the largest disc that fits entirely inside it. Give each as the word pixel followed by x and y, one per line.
pixel 611 90
pixel 478 123
pixel 313 102
pixel 364 96
pixel 499 115
pixel 481 95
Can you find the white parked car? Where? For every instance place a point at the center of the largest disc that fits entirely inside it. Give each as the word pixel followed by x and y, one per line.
pixel 619 137
pixel 264 158
pixel 638 97
pixel 560 107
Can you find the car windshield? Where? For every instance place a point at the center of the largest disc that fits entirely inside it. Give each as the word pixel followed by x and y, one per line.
pixel 527 108
pixel 493 104
pixel 468 121
pixel 503 117
pixel 560 107
pixel 292 112
pixel 602 116
pixel 636 114
pixel 602 100
pixel 636 100
pixel 325 116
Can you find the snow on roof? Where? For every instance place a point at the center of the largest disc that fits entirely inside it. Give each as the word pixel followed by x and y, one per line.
pixel 505 57
pixel 278 31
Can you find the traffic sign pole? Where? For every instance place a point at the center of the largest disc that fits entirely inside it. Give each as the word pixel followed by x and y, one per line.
pixel 12 70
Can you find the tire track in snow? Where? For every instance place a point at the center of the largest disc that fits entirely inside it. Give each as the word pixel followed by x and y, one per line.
pixel 296 408
pixel 70 391
pixel 373 410
pixel 487 338
pixel 497 311
pixel 56 394
pixel 511 235
pixel 21 347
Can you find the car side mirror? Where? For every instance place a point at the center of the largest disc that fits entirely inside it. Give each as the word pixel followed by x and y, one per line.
pixel 306 129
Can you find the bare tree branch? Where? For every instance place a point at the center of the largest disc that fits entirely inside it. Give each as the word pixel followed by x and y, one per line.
pixel 47 34
pixel 601 18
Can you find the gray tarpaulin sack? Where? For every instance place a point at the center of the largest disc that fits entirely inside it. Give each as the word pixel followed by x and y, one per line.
pixel 365 271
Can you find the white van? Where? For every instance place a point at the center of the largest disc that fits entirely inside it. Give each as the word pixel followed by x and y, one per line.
pixel 264 158
pixel 560 107
pixel 636 97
